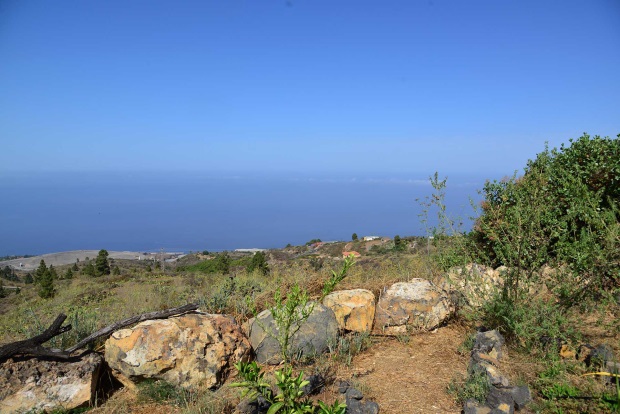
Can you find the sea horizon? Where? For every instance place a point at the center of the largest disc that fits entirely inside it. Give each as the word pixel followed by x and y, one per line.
pixel 46 212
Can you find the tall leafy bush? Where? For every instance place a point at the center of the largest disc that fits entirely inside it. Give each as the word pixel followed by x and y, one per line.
pixel 564 211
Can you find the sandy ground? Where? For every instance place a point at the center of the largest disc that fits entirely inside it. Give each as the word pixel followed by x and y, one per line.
pixel 64 258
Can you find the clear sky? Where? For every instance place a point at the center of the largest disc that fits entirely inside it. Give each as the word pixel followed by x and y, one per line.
pixel 302 85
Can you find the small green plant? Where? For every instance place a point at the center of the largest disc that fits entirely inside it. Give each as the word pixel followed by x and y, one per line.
pixel 475 386
pixel 345 348
pixel 290 399
pixel 291 312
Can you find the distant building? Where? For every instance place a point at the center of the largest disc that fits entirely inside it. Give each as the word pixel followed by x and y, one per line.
pixel 250 250
pixel 371 238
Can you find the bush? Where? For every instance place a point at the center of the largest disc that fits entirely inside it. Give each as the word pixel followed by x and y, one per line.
pixel 564 211
pixel 259 263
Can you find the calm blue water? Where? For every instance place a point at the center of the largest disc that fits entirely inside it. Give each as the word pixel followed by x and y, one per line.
pixel 43 213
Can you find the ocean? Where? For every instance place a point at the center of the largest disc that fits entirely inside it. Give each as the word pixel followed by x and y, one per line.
pixel 52 212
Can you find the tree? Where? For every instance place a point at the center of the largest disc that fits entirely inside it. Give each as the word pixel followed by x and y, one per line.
pixel 46 285
pixel 354 237
pixel 116 271
pixel 69 274
pixel 398 243
pixel 53 273
pixel 222 263
pixel 75 267
pixel 40 272
pixel 28 279
pixel 102 267
pixel 259 262
pixel 89 270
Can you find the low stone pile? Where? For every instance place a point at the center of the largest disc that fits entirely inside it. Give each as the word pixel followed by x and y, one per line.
pixel 502 397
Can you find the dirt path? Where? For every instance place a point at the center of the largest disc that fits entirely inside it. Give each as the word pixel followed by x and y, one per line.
pixel 411 377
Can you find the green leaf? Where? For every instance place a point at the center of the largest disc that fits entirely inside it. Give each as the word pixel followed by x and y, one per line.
pixel 275 408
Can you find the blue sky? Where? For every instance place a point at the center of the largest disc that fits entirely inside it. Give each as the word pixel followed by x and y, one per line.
pixel 301 86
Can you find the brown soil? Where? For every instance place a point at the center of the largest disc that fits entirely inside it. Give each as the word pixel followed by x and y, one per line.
pixel 411 377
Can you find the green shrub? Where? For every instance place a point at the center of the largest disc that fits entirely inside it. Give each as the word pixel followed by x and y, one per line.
pixel 258 263
pixel 564 211
pixel 533 324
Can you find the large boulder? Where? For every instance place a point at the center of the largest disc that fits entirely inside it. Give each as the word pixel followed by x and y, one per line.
pixel 354 309
pixel 417 304
pixel 313 337
pixel 33 385
pixel 188 350
pixel 474 284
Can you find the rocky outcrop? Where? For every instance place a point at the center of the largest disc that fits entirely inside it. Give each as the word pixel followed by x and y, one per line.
pixel 313 337
pixel 417 304
pixel 185 351
pixel 35 384
pixel 354 309
pixel 473 284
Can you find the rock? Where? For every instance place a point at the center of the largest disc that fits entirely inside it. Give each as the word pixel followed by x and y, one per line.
pixel 566 352
pixel 257 406
pixel 489 342
pixel 474 407
pixel 474 283
pixel 417 304
pixel 315 385
pixel 521 395
pixel 355 405
pixel 354 309
pixel 314 336
pixel 492 373
pixel 501 399
pixel 186 351
pixel 596 356
pixel 36 384
pixel 343 386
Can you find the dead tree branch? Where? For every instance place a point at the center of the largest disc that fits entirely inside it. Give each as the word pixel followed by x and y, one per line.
pixel 130 321
pixel 33 346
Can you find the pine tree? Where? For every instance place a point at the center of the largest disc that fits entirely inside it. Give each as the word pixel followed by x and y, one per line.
pixel 41 270
pixel 354 237
pixel 28 279
pixel 53 273
pixel 69 273
pixel 75 267
pixel 46 285
pixel 116 271
pixel 102 267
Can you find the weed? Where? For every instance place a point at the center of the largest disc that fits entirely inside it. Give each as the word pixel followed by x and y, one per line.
pixel 475 386
pixel 290 397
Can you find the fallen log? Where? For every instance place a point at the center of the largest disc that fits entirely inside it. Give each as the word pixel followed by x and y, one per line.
pixel 33 346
